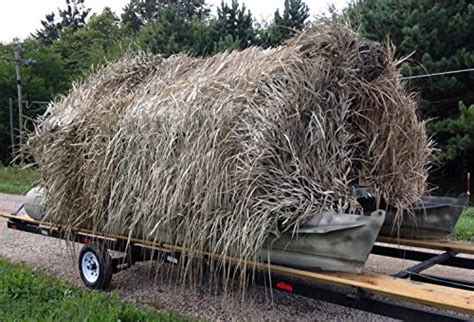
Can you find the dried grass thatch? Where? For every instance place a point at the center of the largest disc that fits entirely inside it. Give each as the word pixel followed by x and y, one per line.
pixel 223 151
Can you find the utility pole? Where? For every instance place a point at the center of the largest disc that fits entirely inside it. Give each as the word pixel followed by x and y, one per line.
pixel 18 61
pixel 12 136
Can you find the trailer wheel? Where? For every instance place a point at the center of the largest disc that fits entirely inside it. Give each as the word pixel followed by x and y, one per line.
pixel 95 266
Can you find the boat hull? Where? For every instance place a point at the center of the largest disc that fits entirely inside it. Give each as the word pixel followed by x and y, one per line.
pixel 428 218
pixel 333 242
pixel 329 241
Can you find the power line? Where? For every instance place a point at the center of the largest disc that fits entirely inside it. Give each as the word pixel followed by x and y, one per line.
pixel 440 73
pixel 29 104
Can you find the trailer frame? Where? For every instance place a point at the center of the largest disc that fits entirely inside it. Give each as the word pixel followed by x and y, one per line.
pixel 321 289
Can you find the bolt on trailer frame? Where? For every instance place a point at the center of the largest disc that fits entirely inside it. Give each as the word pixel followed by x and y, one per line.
pixel 408 295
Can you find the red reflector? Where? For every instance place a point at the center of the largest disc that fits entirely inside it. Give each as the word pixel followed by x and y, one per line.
pixel 86 240
pixel 13 226
pixel 284 286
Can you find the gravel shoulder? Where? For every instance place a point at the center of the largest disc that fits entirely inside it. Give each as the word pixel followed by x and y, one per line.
pixel 142 285
pixel 9 203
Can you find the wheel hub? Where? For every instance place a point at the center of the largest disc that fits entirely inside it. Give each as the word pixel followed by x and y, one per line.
pixel 90 267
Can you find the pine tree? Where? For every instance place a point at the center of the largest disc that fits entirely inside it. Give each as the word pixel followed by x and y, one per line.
pixel 75 14
pixel 234 21
pixel 439 37
pixel 194 9
pixel 295 17
pixel 138 13
pixel 73 17
pixel 50 30
pixel 172 32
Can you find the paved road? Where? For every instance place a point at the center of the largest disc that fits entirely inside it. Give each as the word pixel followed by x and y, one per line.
pixel 142 285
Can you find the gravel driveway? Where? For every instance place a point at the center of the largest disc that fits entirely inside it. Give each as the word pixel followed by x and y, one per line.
pixel 140 284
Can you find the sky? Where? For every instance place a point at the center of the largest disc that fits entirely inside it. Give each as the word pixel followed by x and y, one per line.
pixel 19 18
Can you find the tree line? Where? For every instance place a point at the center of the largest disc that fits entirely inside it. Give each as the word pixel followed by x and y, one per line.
pixel 438 36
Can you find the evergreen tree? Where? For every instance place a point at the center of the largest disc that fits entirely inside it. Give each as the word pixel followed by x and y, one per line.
pixel 140 12
pixel 167 34
pixel 228 43
pixel 458 133
pixel 50 31
pixel 75 14
pixel 171 32
pixel 202 43
pixel 194 9
pixel 439 35
pixel 234 21
pixel 295 17
pixel 73 17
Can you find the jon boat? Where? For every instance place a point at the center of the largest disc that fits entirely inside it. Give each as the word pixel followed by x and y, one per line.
pixel 342 242
pixel 339 242
pixel 428 218
pixel 328 241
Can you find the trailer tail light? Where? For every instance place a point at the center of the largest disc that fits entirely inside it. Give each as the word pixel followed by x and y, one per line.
pixel 86 240
pixel 284 286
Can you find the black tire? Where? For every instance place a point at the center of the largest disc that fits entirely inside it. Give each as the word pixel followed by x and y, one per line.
pixel 95 266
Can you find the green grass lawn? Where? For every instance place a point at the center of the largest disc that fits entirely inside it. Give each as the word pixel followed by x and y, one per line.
pixel 29 295
pixel 14 179
pixel 465 228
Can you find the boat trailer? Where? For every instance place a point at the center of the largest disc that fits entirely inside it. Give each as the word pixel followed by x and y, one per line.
pixel 409 295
